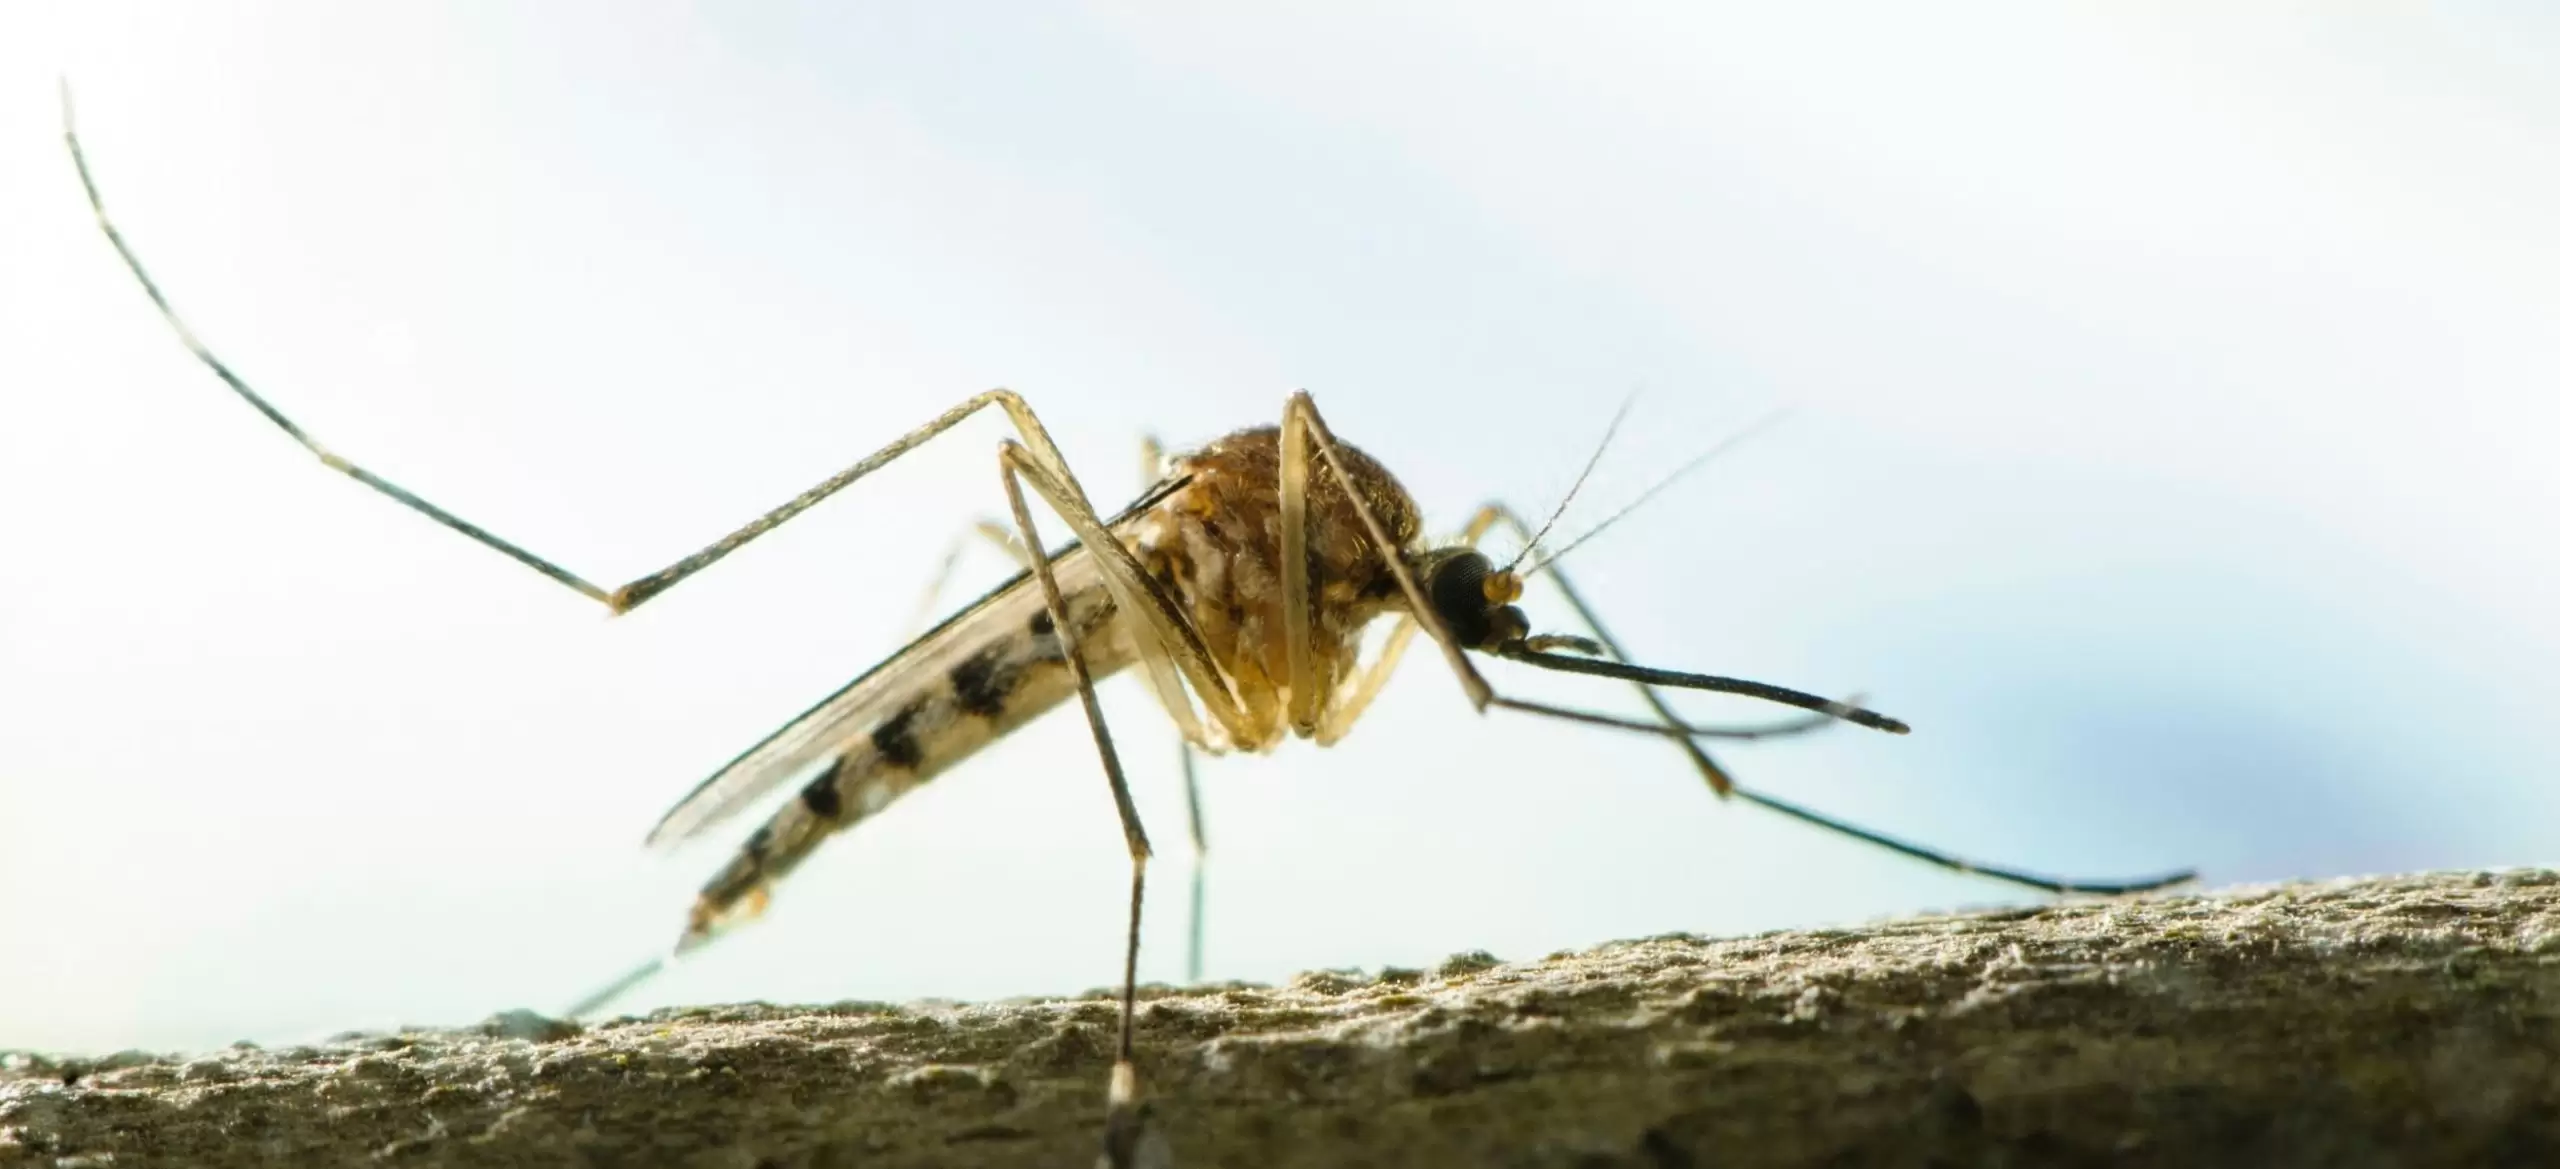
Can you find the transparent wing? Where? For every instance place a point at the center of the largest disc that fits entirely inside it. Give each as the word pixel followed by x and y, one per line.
pixel 819 733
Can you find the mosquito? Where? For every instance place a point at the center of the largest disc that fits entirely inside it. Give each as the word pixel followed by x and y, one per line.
pixel 1239 587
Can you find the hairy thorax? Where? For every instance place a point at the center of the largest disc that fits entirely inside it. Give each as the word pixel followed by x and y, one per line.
pixel 1216 548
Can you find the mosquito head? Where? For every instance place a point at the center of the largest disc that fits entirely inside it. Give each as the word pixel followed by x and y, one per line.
pixel 1473 598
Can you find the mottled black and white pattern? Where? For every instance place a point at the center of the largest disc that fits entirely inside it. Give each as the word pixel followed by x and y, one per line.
pixel 984 673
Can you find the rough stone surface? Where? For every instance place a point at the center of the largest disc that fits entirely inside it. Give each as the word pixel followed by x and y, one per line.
pixel 2401 1021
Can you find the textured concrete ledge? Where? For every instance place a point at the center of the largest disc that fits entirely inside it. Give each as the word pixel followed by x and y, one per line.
pixel 2401 1021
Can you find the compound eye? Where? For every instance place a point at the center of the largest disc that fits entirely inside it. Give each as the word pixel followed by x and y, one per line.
pixel 1457 589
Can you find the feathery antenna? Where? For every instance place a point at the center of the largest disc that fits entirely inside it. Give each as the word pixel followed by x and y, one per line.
pixel 1615 421
pixel 1766 421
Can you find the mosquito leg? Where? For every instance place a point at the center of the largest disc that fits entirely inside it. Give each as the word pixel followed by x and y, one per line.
pixel 1723 784
pixel 1199 862
pixel 1172 651
pixel 240 386
pixel 1302 416
pixel 1305 701
pixel 1124 1122
pixel 1352 702
pixel 1170 648
pixel 1150 469
pixel 1034 436
pixel 630 595
pixel 1301 427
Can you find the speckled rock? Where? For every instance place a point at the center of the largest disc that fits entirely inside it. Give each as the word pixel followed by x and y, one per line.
pixel 2402 1021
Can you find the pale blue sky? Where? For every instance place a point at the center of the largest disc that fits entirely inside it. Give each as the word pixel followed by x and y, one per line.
pixel 2173 407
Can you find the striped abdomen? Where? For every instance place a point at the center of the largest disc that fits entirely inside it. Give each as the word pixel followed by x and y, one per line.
pixel 992 668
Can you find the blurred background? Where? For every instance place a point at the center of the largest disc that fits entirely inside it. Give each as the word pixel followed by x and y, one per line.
pixel 2173 407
